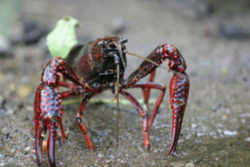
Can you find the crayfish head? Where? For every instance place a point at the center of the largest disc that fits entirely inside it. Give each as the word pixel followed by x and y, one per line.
pixel 112 53
pixel 114 46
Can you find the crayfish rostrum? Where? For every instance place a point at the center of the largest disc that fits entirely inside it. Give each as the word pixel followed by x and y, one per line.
pixel 94 68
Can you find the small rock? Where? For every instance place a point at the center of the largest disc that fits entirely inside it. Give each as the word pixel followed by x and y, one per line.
pixel 111 156
pixel 247 139
pixel 244 115
pixel 233 31
pixel 13 150
pixel 158 138
pixel 194 126
pixel 100 155
pixel 3 102
pixel 5 50
pixel 1 156
pixel 203 149
pixel 230 133
pixel 199 134
pixel 214 108
pixel 203 9
pixel 61 163
pixel 32 33
pixel 245 79
pixel 2 164
pixel 119 25
pixel 190 164
pixel 23 91
pixel 108 161
pixel 104 133
pixel 5 130
pixel 177 164
pixel 27 149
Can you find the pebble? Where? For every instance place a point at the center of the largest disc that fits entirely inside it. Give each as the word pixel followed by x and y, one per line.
pixel 194 126
pixel 23 91
pixel 13 150
pixel 111 156
pixel 119 25
pixel 202 9
pixel 1 156
pixel 100 155
pixel 244 115
pixel 108 161
pixel 230 133
pixel 5 130
pixel 199 134
pixel 2 102
pixel 233 31
pixel 32 32
pixel 190 164
pixel 158 138
pixel 104 133
pixel 247 139
pixel 214 108
pixel 27 149
pixel 61 163
pixel 5 50
pixel 177 164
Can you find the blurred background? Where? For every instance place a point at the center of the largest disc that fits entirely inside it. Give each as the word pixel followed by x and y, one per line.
pixel 212 35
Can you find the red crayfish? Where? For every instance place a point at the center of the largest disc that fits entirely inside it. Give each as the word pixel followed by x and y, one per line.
pixel 97 67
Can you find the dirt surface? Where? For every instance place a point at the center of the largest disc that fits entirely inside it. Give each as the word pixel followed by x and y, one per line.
pixel 216 128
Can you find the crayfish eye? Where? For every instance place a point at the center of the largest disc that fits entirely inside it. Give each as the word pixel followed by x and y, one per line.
pixel 111 46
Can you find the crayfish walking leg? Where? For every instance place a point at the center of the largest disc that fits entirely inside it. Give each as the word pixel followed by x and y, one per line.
pixel 81 125
pixel 142 114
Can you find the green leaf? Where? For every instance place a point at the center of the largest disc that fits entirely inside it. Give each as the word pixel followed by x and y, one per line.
pixel 63 38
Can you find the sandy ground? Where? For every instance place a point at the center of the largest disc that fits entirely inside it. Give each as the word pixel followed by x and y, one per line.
pixel 216 128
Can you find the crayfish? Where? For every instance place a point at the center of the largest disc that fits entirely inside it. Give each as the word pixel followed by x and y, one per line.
pixel 94 68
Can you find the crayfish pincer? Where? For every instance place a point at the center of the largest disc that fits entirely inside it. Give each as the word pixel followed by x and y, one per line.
pixel 95 68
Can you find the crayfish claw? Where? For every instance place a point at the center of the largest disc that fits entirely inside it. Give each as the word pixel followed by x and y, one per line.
pixel 51 145
pixel 179 90
pixel 176 129
pixel 38 148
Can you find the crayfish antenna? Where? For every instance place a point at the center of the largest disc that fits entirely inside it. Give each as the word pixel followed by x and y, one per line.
pixel 118 114
pixel 146 59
